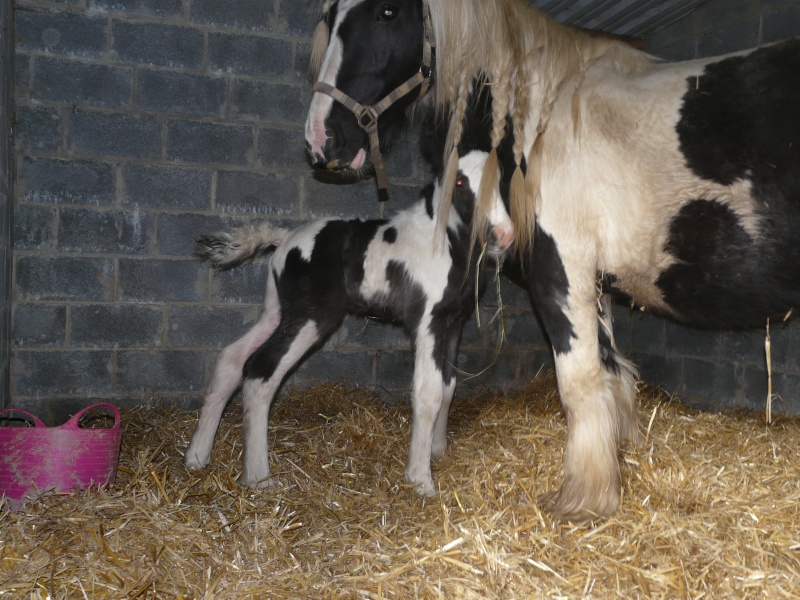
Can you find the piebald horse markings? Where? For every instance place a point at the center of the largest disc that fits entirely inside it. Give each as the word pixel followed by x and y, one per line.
pixel 391 270
pixel 673 185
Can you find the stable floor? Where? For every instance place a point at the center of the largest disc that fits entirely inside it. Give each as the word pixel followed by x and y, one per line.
pixel 710 508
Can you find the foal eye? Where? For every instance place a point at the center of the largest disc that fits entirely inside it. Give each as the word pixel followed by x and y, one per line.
pixel 387 12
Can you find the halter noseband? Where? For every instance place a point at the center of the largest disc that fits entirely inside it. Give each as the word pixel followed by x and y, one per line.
pixel 367 116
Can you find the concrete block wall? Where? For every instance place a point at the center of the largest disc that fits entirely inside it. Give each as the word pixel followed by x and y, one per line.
pixel 706 368
pixel 141 124
pixel 6 194
pixel 722 26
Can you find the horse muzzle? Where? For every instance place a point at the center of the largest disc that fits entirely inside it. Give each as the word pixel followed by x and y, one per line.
pixel 326 162
pixel 501 238
pixel 325 146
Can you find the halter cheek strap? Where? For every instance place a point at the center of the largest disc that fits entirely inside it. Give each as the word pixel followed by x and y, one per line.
pixel 367 116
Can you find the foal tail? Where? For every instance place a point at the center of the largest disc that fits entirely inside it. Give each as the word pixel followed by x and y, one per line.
pixel 228 249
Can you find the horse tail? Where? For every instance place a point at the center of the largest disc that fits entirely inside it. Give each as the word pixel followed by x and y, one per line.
pixel 228 249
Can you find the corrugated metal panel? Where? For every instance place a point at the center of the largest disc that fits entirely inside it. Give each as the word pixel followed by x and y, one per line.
pixel 638 18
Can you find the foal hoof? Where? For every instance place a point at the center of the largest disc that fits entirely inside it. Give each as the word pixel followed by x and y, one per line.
pixel 425 487
pixel 257 484
pixel 194 463
pixel 438 452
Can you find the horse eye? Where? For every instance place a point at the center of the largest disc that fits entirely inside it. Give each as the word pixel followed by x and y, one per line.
pixel 387 13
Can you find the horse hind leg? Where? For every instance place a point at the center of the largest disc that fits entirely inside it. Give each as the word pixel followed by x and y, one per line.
pixel 621 374
pixel 263 375
pixel 227 377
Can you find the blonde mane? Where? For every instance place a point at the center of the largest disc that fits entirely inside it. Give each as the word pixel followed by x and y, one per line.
pixel 520 51
pixel 319 41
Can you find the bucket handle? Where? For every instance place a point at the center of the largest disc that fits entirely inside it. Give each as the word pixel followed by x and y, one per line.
pixel 74 422
pixel 31 416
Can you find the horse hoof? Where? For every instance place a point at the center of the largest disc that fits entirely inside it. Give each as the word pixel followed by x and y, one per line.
pixel 575 513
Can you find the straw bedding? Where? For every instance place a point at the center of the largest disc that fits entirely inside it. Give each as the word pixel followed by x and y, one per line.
pixel 710 508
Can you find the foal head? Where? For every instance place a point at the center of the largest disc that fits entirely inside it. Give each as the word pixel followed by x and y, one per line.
pixel 371 47
pixel 495 228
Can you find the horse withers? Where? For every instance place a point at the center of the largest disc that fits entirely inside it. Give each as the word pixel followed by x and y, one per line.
pixel 675 186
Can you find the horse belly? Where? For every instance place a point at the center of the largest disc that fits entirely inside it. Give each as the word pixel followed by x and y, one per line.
pixel 725 276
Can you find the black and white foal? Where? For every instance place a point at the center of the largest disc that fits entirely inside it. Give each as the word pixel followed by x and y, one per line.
pixel 394 270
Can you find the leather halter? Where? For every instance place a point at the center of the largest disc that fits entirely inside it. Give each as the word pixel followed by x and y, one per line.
pixel 367 116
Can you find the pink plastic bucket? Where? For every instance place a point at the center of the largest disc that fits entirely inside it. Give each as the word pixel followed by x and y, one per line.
pixel 62 458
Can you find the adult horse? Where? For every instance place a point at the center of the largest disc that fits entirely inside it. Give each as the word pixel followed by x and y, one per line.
pixel 676 185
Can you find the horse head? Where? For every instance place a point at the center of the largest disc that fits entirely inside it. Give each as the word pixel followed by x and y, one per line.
pixel 373 63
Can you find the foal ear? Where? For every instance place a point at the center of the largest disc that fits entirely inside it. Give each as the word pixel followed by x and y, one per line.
pixel 319 44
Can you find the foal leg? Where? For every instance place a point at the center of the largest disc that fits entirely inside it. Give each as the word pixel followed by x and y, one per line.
pixel 263 375
pixel 447 365
pixel 227 377
pixel 439 445
pixel 426 403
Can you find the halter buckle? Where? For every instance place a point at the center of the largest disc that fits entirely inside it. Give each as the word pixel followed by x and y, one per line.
pixel 367 118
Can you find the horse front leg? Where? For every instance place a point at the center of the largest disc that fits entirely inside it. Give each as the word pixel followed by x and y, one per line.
pixel 263 374
pixel 227 377
pixel 448 329
pixel 439 445
pixel 426 403
pixel 564 292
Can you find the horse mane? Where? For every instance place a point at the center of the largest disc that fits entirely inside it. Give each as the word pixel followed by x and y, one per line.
pixel 319 40
pixel 520 51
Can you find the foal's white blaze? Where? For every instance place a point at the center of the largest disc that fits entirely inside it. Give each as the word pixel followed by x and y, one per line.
pixel 472 166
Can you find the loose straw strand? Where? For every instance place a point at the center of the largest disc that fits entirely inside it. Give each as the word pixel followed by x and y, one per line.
pixel 768 351
pixel 498 313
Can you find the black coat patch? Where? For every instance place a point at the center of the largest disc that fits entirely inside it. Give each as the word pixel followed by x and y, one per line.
pixel 723 278
pixel 390 235
pixel 457 304
pixel 406 302
pixel 427 194
pixel 549 287
pixel 740 119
